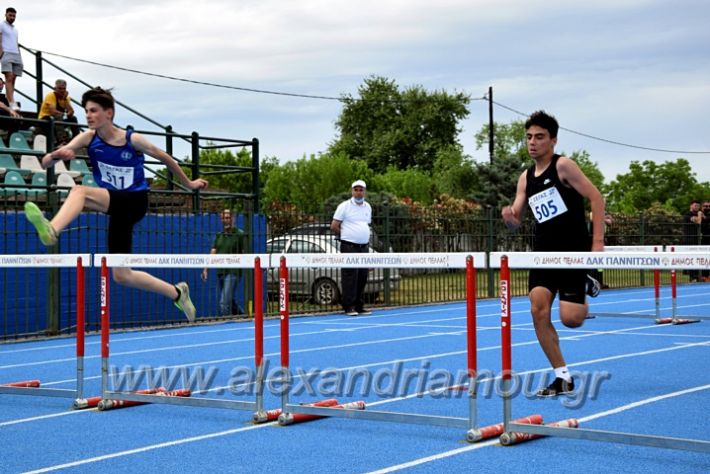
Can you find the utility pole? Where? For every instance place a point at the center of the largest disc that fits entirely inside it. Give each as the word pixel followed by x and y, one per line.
pixel 490 123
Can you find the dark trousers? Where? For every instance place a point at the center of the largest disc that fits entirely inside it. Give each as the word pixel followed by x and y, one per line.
pixel 353 280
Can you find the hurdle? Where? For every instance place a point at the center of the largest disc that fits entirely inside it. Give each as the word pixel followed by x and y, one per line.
pixel 78 261
pixel 461 260
pixel 581 260
pixel 255 261
pixel 674 318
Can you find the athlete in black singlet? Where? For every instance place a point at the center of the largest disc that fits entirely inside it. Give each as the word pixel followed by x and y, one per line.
pixel 554 188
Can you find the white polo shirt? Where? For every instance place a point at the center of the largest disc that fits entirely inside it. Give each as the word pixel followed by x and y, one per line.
pixel 9 38
pixel 355 221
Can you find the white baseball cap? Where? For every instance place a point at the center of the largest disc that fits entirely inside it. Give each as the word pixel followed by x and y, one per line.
pixel 359 182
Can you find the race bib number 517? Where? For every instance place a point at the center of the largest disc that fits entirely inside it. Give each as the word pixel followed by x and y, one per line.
pixel 547 205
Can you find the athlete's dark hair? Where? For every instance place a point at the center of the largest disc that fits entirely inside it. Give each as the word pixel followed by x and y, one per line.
pixel 543 120
pixel 101 96
pixel 10 10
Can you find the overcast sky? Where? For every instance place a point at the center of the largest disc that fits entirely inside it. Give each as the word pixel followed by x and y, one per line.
pixel 630 71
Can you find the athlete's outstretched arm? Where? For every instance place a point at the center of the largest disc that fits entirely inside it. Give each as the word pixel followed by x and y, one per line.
pixel 570 174
pixel 513 214
pixel 140 143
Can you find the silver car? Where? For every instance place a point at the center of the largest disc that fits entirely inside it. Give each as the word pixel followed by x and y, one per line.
pixel 321 285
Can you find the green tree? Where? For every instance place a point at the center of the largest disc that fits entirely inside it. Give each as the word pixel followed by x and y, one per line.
pixel 307 183
pixel 386 127
pixel 671 184
pixel 497 180
pixel 410 183
pixel 454 174
pixel 589 168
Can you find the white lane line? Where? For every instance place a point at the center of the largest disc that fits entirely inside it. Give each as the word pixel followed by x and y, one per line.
pixel 151 447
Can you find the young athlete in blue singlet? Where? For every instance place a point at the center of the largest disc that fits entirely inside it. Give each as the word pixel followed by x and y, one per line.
pixel 117 158
pixel 555 188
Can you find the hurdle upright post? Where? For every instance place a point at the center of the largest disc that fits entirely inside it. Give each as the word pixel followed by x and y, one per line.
pixel 259 333
pixel 506 340
pixel 283 310
pixel 104 324
pixel 472 345
pixel 80 327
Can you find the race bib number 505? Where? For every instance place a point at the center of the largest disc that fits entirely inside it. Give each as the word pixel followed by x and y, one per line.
pixel 547 205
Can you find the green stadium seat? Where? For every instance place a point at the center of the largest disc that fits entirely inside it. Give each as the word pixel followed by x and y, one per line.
pixel 17 183
pixel 8 163
pixel 38 179
pixel 18 141
pixel 88 180
pixel 77 164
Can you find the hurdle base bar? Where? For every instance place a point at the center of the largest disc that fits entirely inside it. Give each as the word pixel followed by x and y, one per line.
pixel 22 383
pixel 181 401
pixel 491 431
pixel 373 415
pixel 38 391
pixel 273 415
pixel 648 316
pixel 677 321
pixel 510 438
pixel 634 439
pixel 104 405
pixel 292 418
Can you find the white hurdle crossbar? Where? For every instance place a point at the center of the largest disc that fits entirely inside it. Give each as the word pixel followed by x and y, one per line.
pixel 78 261
pixel 258 262
pixel 586 260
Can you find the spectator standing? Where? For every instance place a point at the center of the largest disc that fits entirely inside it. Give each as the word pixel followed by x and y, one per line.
pixel 692 232
pixel 10 126
pixel 117 159
pixel 231 241
pixel 351 222
pixel 10 56
pixel 57 104
pixel 705 230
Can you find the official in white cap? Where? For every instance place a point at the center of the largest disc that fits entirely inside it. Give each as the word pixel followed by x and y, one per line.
pixel 351 222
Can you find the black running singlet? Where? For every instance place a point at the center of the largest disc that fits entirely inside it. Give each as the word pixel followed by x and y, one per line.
pixel 558 212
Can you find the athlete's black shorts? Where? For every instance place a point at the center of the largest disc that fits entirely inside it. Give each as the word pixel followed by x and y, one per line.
pixel 571 284
pixel 125 209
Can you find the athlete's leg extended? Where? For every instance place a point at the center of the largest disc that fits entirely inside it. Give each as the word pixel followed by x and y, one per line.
pixel 80 198
pixel 541 307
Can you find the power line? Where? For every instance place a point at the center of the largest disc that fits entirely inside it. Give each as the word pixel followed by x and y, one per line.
pixel 343 99
pixel 662 150
pixel 192 81
pixel 212 84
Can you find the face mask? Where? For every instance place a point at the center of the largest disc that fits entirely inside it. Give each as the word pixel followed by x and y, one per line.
pixel 359 200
